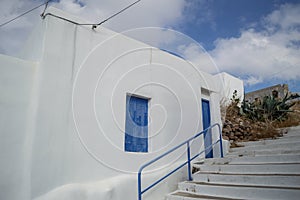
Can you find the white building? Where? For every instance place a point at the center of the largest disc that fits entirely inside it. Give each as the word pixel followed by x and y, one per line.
pixel 63 113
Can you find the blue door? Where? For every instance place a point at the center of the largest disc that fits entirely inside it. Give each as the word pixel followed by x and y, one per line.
pixel 206 124
pixel 136 126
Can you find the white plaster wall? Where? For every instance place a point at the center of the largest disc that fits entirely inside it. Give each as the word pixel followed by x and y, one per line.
pixel 16 88
pixel 227 84
pixel 86 74
pixel 58 156
pixel 112 68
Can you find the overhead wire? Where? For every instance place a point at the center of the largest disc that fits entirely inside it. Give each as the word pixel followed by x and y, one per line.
pixel 94 25
pixel 17 17
pixel 118 12
pixel 43 15
pixel 65 19
pixel 46 6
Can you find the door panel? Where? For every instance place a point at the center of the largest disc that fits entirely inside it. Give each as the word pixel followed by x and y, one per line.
pixel 206 124
pixel 136 126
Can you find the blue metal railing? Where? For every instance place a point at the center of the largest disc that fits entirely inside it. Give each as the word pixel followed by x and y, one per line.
pixel 188 162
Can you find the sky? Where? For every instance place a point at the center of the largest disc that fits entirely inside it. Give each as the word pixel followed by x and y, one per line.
pixel 255 40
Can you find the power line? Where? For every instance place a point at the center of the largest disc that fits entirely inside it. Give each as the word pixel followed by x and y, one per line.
pixel 46 6
pixel 65 19
pixel 43 15
pixel 94 25
pixel 117 13
pixel 13 19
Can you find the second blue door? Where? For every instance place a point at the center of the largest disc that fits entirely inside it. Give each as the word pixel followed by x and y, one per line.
pixel 136 126
pixel 206 124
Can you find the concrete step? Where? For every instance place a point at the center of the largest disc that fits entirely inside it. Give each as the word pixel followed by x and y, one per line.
pixel 267 146
pixel 292 135
pixel 260 159
pixel 240 191
pixel 268 159
pixel 272 141
pixel 251 169
pixel 184 195
pixel 265 169
pixel 290 180
pixel 293 131
pixel 242 152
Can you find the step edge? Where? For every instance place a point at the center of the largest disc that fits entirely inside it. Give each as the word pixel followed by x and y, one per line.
pixel 241 185
pixel 199 196
pixel 246 174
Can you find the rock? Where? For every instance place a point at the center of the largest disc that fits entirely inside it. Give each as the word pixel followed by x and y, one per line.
pixel 225 138
pixel 238 133
pixel 258 134
pixel 231 137
pixel 238 128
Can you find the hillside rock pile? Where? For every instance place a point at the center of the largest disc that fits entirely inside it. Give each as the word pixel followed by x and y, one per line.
pixel 237 128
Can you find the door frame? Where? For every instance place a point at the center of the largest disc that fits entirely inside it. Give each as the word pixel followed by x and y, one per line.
pixel 208 134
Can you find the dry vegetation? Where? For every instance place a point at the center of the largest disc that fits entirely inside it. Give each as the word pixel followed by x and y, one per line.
pixel 293 117
pixel 238 128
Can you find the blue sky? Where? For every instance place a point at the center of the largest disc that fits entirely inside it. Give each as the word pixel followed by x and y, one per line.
pixel 255 40
pixel 225 18
pixel 228 19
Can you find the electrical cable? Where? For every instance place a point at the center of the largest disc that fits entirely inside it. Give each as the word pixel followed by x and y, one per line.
pixel 13 19
pixel 117 13
pixel 46 6
pixel 65 19
pixel 43 15
pixel 94 25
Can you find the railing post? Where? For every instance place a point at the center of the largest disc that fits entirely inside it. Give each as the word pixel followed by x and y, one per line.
pixel 221 143
pixel 189 161
pixel 139 186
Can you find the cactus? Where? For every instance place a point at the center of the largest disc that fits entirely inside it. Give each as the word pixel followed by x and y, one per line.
pixel 272 108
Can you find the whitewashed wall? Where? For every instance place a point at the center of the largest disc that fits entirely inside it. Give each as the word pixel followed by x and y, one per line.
pixel 75 104
pixel 16 88
pixel 227 84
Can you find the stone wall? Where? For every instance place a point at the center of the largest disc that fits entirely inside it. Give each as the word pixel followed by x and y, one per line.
pixel 282 91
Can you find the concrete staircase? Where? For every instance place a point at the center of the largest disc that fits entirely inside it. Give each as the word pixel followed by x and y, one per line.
pixel 267 169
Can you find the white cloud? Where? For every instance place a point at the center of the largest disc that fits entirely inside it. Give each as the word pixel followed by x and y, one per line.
pixel 15 33
pixel 271 52
pixel 70 6
pixel 204 10
pixel 252 80
pixel 287 16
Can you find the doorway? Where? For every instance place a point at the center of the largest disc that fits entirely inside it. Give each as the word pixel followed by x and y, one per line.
pixel 136 125
pixel 207 134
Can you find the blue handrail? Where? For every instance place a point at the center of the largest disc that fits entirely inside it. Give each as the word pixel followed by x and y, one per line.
pixel 189 159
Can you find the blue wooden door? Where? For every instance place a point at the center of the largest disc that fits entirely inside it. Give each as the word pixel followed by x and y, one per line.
pixel 206 124
pixel 136 126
